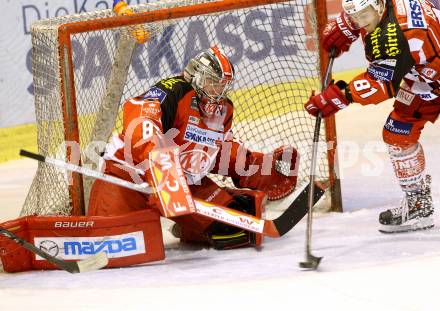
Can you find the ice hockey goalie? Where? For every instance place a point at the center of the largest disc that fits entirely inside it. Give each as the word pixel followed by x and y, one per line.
pixel 194 113
pixel 190 111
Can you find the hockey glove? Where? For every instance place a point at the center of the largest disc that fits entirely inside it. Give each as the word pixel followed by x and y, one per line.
pixel 222 236
pixel 330 101
pixel 277 180
pixel 339 34
pixel 430 73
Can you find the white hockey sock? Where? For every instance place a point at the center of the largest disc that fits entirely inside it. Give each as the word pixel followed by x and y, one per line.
pixel 409 166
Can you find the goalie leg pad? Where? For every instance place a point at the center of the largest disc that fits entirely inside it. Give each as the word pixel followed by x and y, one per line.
pixel 128 239
pixel 15 258
pixel 107 199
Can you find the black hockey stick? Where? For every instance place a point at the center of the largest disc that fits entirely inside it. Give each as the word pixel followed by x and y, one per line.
pixel 94 262
pixel 296 210
pixel 312 262
pixel 273 228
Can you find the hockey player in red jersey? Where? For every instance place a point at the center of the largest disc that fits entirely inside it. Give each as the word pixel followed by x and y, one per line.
pixel 402 45
pixel 193 112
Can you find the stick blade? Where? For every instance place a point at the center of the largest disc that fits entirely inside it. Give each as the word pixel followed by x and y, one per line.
pixel 312 262
pixel 92 263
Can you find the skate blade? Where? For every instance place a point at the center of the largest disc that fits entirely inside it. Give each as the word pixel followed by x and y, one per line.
pixel 411 225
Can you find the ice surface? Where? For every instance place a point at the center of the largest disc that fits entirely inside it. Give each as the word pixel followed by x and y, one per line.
pixel 362 269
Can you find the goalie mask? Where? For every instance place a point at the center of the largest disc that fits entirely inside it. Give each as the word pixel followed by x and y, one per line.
pixel 211 74
pixel 364 13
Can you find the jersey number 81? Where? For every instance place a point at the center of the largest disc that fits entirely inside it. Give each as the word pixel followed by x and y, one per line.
pixel 361 85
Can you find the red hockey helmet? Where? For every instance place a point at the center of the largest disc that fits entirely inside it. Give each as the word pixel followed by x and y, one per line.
pixel 210 73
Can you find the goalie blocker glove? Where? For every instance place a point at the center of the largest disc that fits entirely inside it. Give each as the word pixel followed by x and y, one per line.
pixel 339 34
pixel 330 101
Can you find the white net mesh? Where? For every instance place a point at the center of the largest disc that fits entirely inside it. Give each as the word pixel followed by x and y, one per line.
pixel 276 63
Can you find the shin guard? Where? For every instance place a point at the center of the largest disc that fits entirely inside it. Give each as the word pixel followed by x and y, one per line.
pixel 409 166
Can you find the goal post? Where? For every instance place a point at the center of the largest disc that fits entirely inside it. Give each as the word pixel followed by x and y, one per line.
pixel 86 65
pixel 329 123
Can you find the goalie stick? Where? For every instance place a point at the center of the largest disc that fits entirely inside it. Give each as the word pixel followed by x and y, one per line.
pixel 272 228
pixel 312 262
pixel 94 262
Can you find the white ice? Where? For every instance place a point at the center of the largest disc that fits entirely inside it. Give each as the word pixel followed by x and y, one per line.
pixel 362 269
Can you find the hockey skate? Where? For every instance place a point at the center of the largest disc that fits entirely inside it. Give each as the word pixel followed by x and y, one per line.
pixel 415 212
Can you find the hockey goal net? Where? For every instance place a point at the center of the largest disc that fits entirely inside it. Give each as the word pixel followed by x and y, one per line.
pixel 85 66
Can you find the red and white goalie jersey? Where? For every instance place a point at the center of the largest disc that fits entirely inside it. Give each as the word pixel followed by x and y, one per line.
pixel 171 113
pixel 199 129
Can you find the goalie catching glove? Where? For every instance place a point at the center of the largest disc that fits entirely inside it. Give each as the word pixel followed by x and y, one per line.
pixel 329 101
pixel 277 180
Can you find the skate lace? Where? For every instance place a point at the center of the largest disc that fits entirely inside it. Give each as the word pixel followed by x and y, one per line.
pixel 404 209
pixel 419 204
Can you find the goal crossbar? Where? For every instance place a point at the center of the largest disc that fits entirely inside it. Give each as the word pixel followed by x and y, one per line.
pixel 159 15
